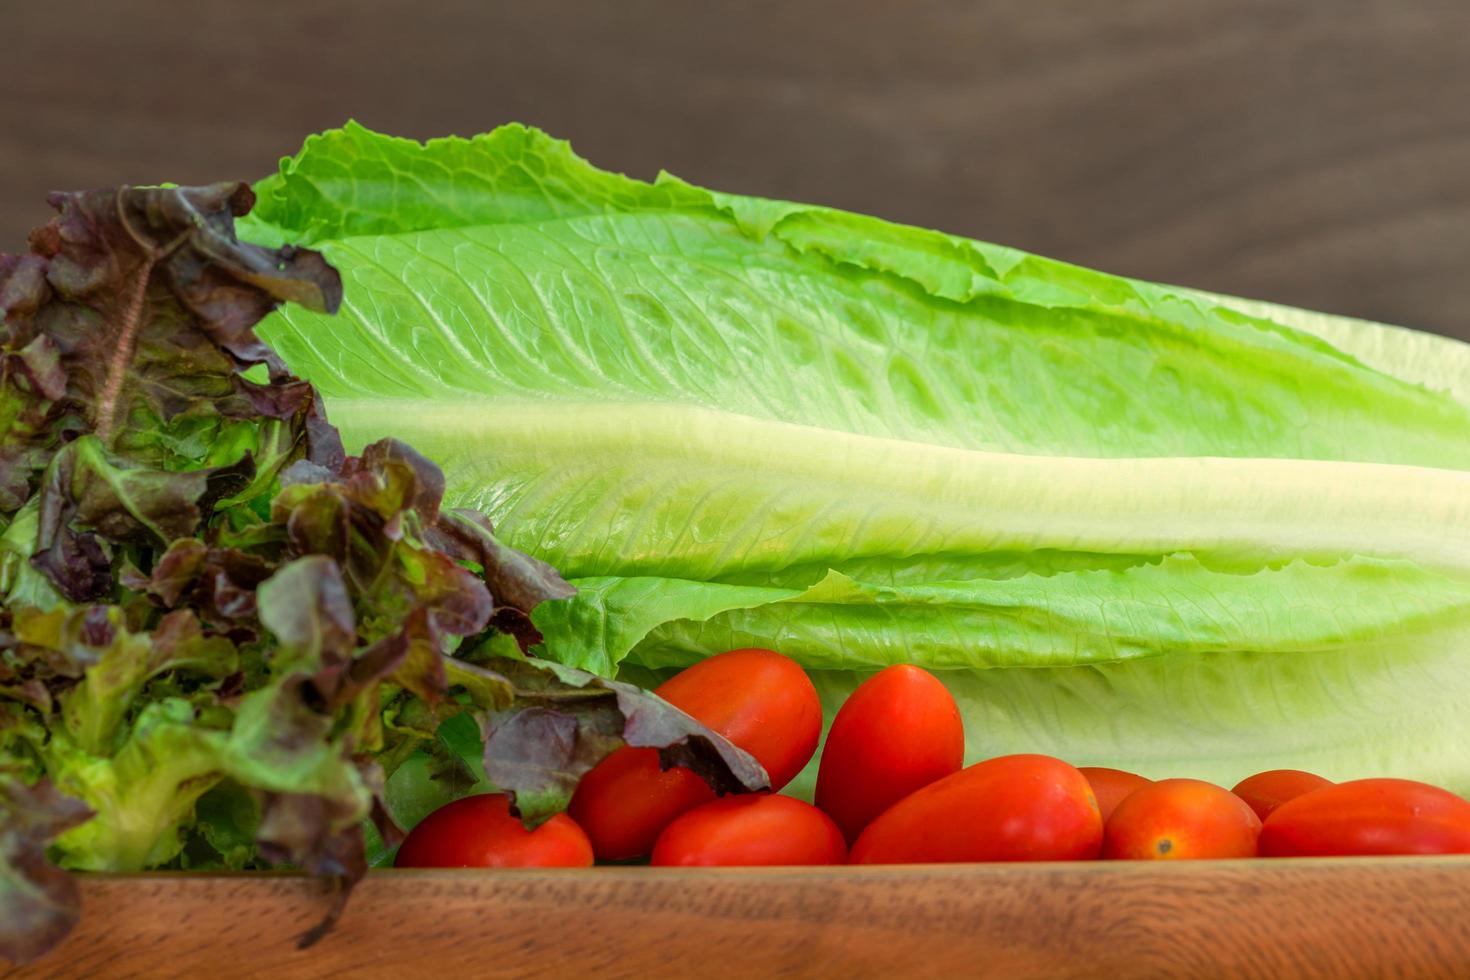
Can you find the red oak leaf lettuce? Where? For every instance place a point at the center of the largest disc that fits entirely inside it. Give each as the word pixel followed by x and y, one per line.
pixel 220 634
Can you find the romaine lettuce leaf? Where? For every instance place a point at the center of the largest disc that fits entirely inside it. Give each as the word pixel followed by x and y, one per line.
pixel 1135 525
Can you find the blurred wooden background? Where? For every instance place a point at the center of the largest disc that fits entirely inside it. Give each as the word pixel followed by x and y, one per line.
pixel 1314 152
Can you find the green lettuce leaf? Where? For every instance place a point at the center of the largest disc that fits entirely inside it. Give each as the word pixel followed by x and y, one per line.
pixel 1135 525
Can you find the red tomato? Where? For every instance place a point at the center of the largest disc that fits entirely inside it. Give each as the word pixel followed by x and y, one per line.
pixel 1176 819
pixel 1265 791
pixel 1015 808
pixel 1111 786
pixel 750 830
pixel 898 732
pixel 627 799
pixel 758 699
pixel 1369 816
pixel 479 832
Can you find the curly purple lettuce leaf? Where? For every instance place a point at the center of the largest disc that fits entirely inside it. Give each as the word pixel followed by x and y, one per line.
pixel 39 903
pixel 132 320
pixel 561 721
pixel 220 634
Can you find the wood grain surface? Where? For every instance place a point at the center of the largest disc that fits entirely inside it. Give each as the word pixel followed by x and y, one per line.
pixel 1313 152
pixel 1357 917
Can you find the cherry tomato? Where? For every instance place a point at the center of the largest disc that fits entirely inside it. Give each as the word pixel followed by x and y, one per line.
pixel 1265 791
pixel 1175 819
pixel 758 699
pixel 750 830
pixel 1111 786
pixel 627 799
pixel 1369 816
pixel 480 832
pixel 1015 808
pixel 896 733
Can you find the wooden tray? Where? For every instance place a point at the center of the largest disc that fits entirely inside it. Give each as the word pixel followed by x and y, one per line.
pixel 1322 917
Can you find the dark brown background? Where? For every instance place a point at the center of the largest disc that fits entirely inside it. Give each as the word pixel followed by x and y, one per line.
pixel 1314 152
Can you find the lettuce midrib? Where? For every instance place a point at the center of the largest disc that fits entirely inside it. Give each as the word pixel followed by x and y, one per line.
pixel 972 501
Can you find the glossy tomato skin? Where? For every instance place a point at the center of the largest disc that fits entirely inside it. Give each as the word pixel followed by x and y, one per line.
pixel 743 831
pixel 1014 808
pixel 1265 791
pixel 1179 819
pixel 480 832
pixel 1369 816
pixel 898 732
pixel 758 699
pixel 1111 786
pixel 627 799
